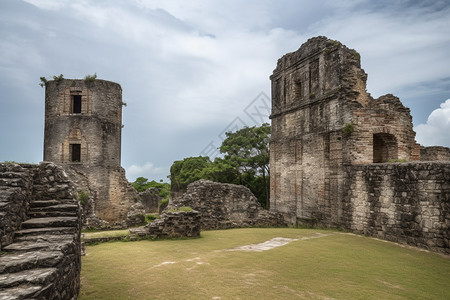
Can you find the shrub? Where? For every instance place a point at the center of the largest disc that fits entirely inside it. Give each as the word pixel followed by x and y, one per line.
pixel 83 197
pixel 58 78
pixel 182 208
pixel 44 81
pixel 90 78
pixel 399 160
pixel 150 217
pixel 348 128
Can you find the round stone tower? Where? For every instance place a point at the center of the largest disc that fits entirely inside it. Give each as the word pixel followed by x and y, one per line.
pixel 83 125
pixel 83 122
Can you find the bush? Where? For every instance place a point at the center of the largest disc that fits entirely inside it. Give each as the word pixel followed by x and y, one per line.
pixel 183 208
pixel 44 81
pixel 348 128
pixel 58 78
pixel 150 217
pixel 90 78
pixel 83 197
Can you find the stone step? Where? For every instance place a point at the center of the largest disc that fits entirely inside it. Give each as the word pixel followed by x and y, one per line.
pixel 44 214
pixel 16 262
pixel 45 237
pixel 44 203
pixel 42 276
pixel 58 207
pixel 50 222
pixel 24 291
pixel 56 242
pixel 46 230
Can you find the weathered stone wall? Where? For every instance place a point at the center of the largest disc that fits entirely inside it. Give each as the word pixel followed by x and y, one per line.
pixel 175 225
pixel 435 153
pixel 223 205
pixel 324 124
pixel 150 199
pixel 88 115
pixel 15 194
pixel 97 127
pixel 42 256
pixel 406 203
pixel 322 118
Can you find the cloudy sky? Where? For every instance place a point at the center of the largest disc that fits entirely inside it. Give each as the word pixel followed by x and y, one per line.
pixel 191 70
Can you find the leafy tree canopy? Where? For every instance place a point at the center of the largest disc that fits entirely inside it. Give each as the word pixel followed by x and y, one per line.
pixel 245 162
pixel 141 184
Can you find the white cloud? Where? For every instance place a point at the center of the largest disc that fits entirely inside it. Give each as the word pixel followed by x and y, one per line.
pixel 147 170
pixel 48 4
pixel 436 131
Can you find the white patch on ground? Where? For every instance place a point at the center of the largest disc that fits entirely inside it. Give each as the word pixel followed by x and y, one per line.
pixel 318 235
pixel 267 245
pixel 274 243
pixel 164 263
pixel 193 259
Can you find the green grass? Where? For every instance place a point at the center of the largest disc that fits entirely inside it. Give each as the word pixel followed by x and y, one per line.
pixel 106 233
pixel 336 266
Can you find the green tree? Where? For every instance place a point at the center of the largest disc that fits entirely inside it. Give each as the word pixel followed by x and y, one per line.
pixel 183 172
pixel 246 162
pixel 141 184
pixel 248 151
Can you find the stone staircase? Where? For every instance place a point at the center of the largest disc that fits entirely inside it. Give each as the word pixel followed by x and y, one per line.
pixel 42 260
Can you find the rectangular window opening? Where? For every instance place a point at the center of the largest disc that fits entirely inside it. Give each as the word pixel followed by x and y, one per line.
pixel 75 150
pixel 76 104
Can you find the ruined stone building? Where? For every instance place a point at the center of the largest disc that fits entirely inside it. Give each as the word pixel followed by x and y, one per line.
pixel 334 150
pixel 83 125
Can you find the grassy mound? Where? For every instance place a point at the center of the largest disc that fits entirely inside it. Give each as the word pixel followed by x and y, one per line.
pixel 315 264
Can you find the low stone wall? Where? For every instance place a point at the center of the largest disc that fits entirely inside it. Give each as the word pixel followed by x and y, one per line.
pixel 175 224
pixel 407 203
pixel 40 233
pixel 15 194
pixel 223 206
pixel 434 153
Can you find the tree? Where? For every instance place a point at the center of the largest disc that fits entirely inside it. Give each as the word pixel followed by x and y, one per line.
pixel 246 162
pixel 183 172
pixel 248 150
pixel 141 184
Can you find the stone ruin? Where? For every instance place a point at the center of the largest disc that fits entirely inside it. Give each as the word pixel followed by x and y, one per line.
pixel 83 125
pixel 340 158
pixel 40 226
pixel 224 206
pixel 150 200
pixel 214 206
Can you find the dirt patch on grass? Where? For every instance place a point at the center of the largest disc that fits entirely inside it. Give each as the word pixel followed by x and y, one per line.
pixel 274 243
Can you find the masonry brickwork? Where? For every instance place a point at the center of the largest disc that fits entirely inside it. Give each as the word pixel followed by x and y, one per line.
pixel 83 125
pixel 223 206
pixel 323 123
pixel 39 233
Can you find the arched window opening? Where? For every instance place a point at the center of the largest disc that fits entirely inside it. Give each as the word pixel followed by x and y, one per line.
pixel 75 152
pixel 384 148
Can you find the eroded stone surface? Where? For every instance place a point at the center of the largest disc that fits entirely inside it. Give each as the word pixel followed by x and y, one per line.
pixel 224 205
pixel 40 262
pixel 325 125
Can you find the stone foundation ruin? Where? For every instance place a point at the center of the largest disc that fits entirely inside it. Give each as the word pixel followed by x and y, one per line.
pixel 337 154
pixel 223 205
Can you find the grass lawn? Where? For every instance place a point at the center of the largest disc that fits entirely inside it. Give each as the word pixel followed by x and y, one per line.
pixel 330 265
